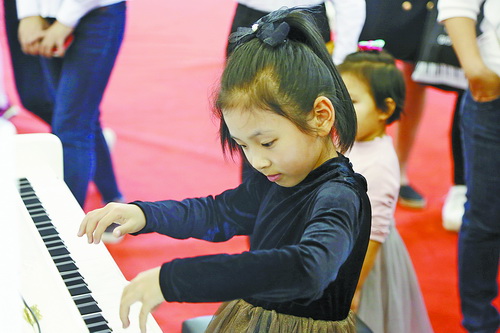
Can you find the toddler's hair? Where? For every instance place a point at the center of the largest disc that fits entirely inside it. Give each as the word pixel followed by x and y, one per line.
pixel 281 64
pixel 378 70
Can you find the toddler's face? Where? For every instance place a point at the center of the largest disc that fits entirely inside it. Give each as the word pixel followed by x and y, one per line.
pixel 371 120
pixel 275 146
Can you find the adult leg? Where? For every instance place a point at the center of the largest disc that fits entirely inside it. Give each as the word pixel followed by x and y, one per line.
pixel 28 75
pixel 104 177
pixel 479 238
pixel 85 72
pixel 407 131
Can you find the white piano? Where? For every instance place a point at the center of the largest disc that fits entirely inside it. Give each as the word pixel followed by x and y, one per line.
pixel 73 286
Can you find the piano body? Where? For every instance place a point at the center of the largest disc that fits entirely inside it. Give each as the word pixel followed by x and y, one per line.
pixel 74 286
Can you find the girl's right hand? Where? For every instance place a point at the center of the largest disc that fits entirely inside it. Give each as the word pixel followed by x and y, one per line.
pixel 130 218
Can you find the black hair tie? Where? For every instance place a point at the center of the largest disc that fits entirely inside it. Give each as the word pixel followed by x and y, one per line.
pixel 270 29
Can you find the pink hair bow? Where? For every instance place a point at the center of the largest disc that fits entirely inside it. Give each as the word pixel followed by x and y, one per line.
pixel 371 45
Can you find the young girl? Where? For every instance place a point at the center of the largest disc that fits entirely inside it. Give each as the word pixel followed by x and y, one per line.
pixel 388 297
pixel 281 101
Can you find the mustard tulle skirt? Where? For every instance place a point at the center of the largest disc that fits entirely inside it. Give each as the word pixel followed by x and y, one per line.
pixel 239 316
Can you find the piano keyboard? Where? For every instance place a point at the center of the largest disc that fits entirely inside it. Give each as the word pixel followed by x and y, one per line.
pixel 439 74
pixel 60 269
pixel 74 281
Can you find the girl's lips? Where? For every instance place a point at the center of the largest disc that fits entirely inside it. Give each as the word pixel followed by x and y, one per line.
pixel 273 178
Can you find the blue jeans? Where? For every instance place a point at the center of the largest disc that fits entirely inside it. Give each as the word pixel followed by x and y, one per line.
pixel 78 81
pixel 479 238
pixel 30 83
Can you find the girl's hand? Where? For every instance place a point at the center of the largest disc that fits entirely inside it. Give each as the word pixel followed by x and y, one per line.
pixel 52 44
pixel 144 288
pixel 30 33
pixel 129 216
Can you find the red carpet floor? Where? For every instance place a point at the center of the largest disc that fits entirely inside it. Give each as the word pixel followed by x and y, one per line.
pixel 158 104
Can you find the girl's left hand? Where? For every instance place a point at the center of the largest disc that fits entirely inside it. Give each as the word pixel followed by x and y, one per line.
pixel 52 44
pixel 144 288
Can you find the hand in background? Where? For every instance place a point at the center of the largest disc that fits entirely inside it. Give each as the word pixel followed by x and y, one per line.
pixel 355 300
pixel 144 288
pixel 54 37
pixel 484 84
pixel 30 34
pixel 130 218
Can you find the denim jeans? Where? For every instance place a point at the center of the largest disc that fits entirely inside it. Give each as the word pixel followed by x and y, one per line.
pixel 479 238
pixel 31 86
pixel 78 81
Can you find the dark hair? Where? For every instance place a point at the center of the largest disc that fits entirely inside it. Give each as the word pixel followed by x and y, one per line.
pixel 284 74
pixel 378 70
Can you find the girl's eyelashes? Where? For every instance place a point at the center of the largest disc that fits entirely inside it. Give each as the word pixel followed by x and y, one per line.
pixel 268 144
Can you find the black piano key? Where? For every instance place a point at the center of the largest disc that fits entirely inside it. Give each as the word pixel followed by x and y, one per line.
pixel 75 282
pixel 63 260
pixel 94 319
pixel 41 219
pixel 31 201
pixel 79 291
pixel 91 308
pixel 59 252
pixel 67 267
pixel 47 232
pixel 84 300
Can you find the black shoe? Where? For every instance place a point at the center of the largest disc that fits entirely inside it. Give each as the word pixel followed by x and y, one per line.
pixel 410 198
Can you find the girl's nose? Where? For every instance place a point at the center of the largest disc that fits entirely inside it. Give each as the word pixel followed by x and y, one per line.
pixel 259 161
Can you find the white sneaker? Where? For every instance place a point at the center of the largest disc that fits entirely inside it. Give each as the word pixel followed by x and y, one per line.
pixel 453 208
pixel 110 137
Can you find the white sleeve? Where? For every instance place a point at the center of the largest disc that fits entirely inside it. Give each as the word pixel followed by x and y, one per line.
pixel 349 20
pixel 458 8
pixel 27 8
pixel 71 11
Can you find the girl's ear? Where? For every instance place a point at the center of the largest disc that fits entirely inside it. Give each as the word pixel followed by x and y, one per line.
pixel 390 107
pixel 322 116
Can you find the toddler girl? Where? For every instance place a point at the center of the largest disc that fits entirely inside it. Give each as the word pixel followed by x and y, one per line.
pixel 388 297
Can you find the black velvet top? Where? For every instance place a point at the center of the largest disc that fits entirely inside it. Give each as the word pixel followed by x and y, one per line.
pixel 308 243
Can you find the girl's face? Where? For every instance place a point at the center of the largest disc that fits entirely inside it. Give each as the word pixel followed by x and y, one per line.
pixel 275 146
pixel 371 120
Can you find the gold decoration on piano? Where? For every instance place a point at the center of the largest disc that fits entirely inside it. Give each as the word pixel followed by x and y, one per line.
pixel 32 315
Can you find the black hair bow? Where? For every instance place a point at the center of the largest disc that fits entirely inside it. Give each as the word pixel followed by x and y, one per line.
pixel 270 29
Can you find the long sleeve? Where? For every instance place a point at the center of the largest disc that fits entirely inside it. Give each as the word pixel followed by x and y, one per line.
pixel 27 8
pixel 215 219
pixel 68 12
pixel 349 20
pixel 290 272
pixel 458 8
